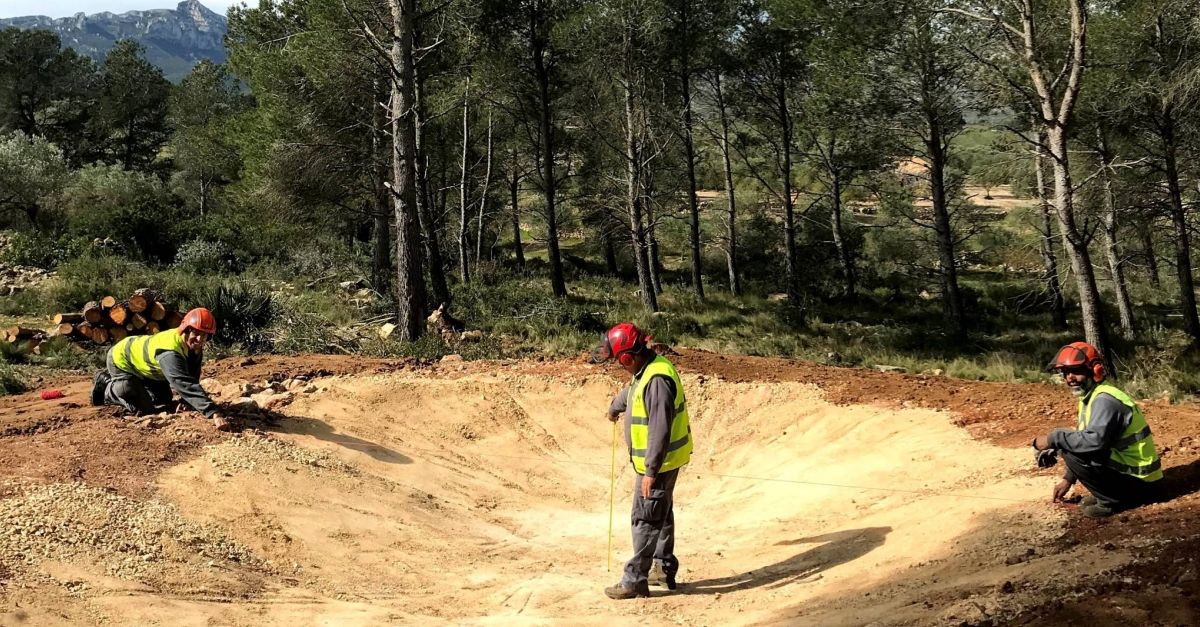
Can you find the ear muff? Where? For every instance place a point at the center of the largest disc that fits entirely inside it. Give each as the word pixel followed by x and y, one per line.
pixel 1099 372
pixel 626 359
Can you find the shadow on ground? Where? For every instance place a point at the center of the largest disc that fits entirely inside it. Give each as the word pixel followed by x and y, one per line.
pixel 833 549
pixel 313 427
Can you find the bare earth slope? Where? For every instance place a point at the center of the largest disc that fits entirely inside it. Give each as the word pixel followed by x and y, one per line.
pixel 401 493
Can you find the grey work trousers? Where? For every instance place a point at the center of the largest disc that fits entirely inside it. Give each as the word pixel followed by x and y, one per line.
pixel 135 394
pixel 1112 489
pixel 653 523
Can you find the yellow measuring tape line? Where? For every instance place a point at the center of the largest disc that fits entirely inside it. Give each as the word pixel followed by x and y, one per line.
pixel 612 488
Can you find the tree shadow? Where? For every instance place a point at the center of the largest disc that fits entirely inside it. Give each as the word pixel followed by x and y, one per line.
pixel 833 549
pixel 1180 481
pixel 274 421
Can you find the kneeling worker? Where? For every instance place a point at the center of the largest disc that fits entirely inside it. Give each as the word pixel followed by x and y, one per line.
pixel 1111 451
pixel 142 370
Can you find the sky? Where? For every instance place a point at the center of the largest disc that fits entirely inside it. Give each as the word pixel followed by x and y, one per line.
pixel 65 8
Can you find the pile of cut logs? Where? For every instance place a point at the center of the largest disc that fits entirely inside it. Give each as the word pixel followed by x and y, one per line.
pixel 110 320
pixel 25 339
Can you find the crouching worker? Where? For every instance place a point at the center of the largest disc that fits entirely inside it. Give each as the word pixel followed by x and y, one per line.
pixel 142 370
pixel 1111 451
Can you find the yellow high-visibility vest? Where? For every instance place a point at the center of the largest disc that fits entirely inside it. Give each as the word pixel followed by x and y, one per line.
pixel 679 451
pixel 1133 453
pixel 138 354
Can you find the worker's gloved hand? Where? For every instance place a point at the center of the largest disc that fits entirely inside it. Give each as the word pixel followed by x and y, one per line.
pixel 1046 458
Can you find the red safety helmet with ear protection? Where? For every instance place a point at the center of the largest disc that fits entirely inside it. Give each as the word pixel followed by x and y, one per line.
pixel 1079 355
pixel 624 341
pixel 199 319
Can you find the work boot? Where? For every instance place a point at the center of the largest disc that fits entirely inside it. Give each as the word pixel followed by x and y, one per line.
pixel 100 387
pixel 1097 510
pixel 627 591
pixel 1087 500
pixel 658 577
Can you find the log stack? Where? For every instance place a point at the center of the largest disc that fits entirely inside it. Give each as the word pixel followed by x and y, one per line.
pixel 25 339
pixel 109 320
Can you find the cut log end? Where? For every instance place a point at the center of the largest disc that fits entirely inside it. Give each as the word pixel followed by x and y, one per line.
pixel 141 300
pixel 92 312
pixel 68 318
pixel 108 301
pixel 118 314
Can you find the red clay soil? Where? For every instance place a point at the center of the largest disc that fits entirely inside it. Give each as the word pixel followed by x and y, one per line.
pixel 67 440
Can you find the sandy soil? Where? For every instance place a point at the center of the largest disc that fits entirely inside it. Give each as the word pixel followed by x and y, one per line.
pixel 478 493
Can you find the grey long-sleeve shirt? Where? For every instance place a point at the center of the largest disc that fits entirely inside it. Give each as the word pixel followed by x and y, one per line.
pixel 1110 418
pixel 659 399
pixel 183 373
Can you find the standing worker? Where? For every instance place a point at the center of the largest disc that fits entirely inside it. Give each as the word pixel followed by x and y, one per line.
pixel 1111 452
pixel 659 440
pixel 142 370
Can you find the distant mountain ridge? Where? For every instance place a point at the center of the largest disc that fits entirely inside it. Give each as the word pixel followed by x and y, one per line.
pixel 175 39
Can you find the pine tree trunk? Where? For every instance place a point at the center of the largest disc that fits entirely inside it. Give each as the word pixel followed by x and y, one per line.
pixel 483 195
pixel 425 200
pixel 1090 308
pixel 464 222
pixel 410 282
pixel 539 42
pixel 633 190
pixel 1183 245
pixel 735 282
pixel 610 253
pixel 656 267
pixel 839 240
pixel 689 148
pixel 1116 265
pixel 789 206
pixel 1058 307
pixel 514 189
pixel 1144 233
pixel 381 236
pixel 936 148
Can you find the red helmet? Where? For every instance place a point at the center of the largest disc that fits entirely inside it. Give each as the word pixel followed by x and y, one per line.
pixel 622 342
pixel 1079 356
pixel 199 319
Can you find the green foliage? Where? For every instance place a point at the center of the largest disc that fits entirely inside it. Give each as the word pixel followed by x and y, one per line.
pixel 242 311
pixel 31 172
pixel 132 105
pixel 46 91
pixel 10 382
pixel 93 275
pixel 41 250
pixel 131 208
pixel 207 257
pixel 206 156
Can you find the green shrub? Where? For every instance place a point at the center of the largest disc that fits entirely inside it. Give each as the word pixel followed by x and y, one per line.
pixel 207 257
pixel 23 303
pixel 94 275
pixel 131 208
pixel 10 383
pixel 243 313
pixel 41 250
pixel 58 352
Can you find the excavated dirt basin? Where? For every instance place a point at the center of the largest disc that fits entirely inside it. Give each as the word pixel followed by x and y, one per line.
pixel 482 497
